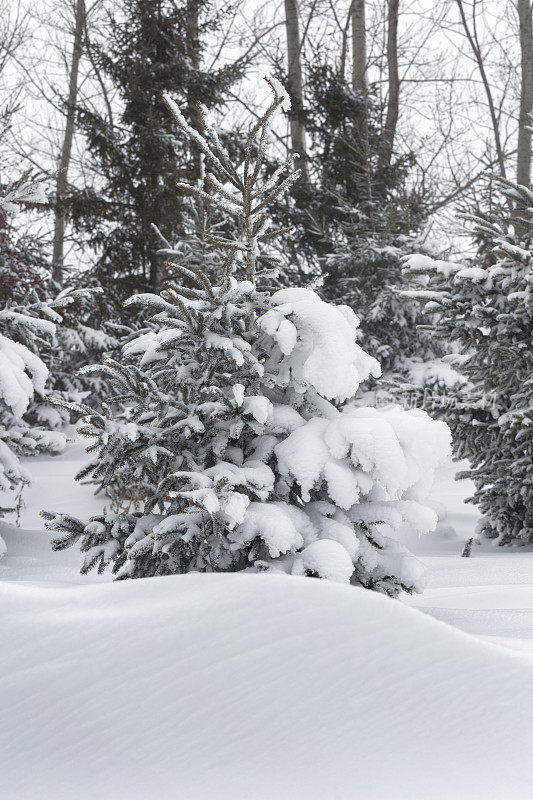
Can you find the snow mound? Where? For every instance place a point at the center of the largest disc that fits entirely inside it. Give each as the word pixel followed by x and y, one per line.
pixel 252 686
pixel 326 558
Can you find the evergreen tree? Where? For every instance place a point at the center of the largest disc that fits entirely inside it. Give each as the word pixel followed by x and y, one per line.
pixel 239 434
pixel 22 267
pixel 486 309
pixel 85 333
pixel 151 48
pixel 91 328
pixel 26 327
pixel 35 351
pixel 359 215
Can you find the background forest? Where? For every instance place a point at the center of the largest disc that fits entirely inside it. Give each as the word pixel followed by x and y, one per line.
pixel 411 129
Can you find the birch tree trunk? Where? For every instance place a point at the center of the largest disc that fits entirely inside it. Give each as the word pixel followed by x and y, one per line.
pixel 295 84
pixel 523 163
pixel 66 148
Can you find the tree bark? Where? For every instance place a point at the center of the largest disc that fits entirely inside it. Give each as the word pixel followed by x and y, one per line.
pixel 391 120
pixel 523 164
pixel 358 46
pixel 295 84
pixel 193 51
pixel 66 148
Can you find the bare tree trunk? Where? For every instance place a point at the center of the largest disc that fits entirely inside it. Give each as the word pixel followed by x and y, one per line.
pixel 295 83
pixel 358 46
pixel 66 148
pixel 523 163
pixel 193 52
pixel 359 84
pixel 391 119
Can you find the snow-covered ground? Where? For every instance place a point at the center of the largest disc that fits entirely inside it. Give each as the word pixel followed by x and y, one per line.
pixel 489 594
pixel 239 686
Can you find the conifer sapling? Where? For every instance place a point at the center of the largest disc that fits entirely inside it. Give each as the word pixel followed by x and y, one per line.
pixel 241 431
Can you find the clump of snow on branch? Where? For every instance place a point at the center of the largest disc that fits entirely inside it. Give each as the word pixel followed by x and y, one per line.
pixel 280 92
pixel 316 345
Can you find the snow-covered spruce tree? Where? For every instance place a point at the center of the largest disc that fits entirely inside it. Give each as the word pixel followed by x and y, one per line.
pixel 26 328
pixel 486 309
pixel 24 331
pixel 26 287
pixel 240 431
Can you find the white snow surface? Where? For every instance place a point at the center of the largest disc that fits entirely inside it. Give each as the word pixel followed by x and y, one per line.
pixel 278 524
pixel 435 372
pixel 252 686
pixel 263 686
pixel 328 559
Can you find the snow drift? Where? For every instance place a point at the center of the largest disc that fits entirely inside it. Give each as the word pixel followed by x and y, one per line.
pixel 252 686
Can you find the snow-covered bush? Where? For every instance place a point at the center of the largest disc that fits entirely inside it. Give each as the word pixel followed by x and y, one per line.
pixel 486 310
pixel 240 432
